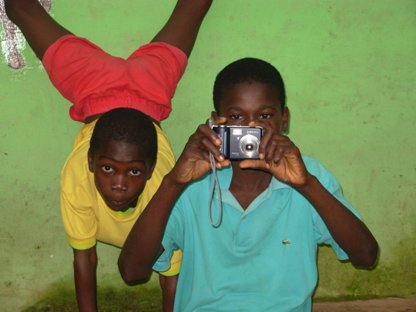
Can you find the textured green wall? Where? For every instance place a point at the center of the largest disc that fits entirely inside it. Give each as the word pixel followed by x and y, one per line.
pixel 349 67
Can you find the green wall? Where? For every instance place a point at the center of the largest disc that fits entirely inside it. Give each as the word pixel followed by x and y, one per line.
pixel 349 68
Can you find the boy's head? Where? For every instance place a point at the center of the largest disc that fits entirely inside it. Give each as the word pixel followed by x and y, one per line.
pixel 122 155
pixel 251 90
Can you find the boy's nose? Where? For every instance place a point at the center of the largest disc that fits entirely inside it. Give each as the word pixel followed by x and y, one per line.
pixel 252 122
pixel 119 184
pixel 119 187
pixel 248 122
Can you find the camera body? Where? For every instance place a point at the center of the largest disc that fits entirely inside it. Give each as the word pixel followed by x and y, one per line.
pixel 239 142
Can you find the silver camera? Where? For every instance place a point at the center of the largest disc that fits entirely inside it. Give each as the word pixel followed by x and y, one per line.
pixel 239 142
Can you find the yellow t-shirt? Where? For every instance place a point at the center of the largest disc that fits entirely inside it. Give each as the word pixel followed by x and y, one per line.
pixel 86 217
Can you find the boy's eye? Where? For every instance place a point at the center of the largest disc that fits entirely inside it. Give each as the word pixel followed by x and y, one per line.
pixel 135 172
pixel 235 116
pixel 265 116
pixel 107 169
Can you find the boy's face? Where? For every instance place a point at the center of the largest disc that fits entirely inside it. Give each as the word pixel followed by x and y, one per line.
pixel 120 173
pixel 257 102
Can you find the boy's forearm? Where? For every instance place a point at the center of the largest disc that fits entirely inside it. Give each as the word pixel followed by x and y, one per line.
pixel 85 267
pixel 86 292
pixel 348 231
pixel 143 244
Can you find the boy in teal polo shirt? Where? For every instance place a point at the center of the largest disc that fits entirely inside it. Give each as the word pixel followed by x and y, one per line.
pixel 275 211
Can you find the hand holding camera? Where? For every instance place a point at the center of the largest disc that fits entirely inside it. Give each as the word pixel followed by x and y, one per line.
pixel 194 161
pixel 279 156
pixel 258 147
pixel 261 149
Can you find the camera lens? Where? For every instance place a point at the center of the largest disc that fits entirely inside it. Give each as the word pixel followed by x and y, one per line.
pixel 249 145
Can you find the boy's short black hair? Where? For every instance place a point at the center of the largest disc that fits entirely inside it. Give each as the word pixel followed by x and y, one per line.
pixel 248 70
pixel 126 125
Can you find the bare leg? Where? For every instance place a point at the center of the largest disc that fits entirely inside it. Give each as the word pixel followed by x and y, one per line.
pixel 38 27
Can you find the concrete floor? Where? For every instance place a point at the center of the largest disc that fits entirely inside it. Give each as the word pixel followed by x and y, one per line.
pixel 374 305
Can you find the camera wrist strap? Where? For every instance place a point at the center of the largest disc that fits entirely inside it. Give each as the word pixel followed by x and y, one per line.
pixel 214 186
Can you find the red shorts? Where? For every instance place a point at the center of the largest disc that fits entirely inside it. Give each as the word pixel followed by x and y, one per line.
pixel 96 82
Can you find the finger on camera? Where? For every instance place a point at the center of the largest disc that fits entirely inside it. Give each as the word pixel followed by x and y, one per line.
pixel 264 142
pixel 220 161
pixel 218 120
pixel 271 145
pixel 274 154
pixel 276 149
pixel 212 148
pixel 283 150
pixel 252 164
pixel 206 131
pixel 215 121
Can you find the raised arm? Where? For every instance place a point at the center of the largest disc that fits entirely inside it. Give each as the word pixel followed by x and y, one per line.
pixel 182 27
pixel 282 158
pixel 348 231
pixel 38 27
pixel 143 244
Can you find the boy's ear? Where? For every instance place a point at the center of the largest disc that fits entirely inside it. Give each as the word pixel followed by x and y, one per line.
pixel 214 114
pixel 90 161
pixel 284 128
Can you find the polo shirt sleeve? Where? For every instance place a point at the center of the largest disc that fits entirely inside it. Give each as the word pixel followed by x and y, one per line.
pixel 77 189
pixel 322 234
pixel 172 240
pixel 80 224
pixel 77 214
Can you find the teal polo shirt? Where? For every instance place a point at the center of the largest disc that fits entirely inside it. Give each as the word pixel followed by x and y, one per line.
pixel 259 259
